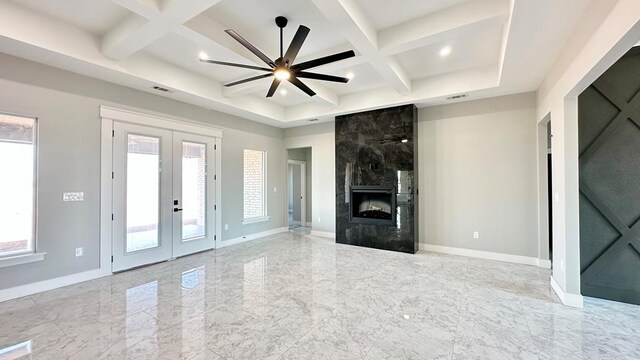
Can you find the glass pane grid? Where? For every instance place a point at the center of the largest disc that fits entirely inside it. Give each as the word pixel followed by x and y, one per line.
pixel 254 183
pixel 194 193
pixel 17 186
pixel 143 192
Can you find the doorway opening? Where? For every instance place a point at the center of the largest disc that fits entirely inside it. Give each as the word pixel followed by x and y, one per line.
pixel 299 190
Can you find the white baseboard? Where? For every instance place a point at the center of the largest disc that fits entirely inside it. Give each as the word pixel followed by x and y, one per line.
pixel 573 300
pixel 45 285
pixel 325 234
pixel 241 239
pixel 517 259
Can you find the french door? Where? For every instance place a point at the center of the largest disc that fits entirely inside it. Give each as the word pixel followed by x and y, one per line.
pixel 163 194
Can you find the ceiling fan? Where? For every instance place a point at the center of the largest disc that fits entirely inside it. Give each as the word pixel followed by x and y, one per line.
pixel 283 67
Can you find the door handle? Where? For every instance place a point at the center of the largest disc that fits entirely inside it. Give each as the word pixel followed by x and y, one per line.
pixel 176 209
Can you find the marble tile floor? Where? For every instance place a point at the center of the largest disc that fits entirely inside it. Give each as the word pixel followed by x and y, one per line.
pixel 292 296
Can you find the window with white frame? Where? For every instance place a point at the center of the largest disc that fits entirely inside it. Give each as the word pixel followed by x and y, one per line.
pixel 17 185
pixel 254 185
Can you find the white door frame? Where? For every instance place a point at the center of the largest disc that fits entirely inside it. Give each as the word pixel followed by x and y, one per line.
pixel 303 191
pixel 107 116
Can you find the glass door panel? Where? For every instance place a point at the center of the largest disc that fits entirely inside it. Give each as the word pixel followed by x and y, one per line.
pixel 143 192
pixel 193 193
pixel 194 190
pixel 142 218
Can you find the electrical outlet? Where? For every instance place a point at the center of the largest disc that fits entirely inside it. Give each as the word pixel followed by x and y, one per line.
pixel 476 235
pixel 226 226
pixel 79 252
pixel 73 196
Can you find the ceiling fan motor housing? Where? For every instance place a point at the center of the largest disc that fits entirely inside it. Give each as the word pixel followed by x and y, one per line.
pixel 281 21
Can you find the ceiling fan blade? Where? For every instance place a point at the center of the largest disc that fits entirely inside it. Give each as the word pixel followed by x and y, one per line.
pixel 310 75
pixel 296 44
pixel 300 85
pixel 324 60
pixel 248 79
pixel 274 86
pixel 235 65
pixel 251 48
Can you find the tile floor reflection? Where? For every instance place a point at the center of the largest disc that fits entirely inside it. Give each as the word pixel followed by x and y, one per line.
pixel 293 296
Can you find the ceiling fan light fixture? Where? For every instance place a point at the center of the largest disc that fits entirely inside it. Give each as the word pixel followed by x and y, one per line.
pixel 282 74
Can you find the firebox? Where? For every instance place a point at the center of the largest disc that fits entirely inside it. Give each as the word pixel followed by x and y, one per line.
pixel 374 205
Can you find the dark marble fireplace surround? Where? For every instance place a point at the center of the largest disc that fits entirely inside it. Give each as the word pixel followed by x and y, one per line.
pixel 376 173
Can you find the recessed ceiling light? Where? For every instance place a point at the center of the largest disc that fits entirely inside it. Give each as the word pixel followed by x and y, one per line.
pixel 445 51
pixel 349 75
pixel 203 55
pixel 283 92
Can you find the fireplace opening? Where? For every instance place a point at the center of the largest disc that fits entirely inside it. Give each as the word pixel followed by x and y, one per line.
pixel 374 205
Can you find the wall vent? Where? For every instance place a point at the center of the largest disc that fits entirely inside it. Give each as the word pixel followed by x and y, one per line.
pixel 456 97
pixel 160 88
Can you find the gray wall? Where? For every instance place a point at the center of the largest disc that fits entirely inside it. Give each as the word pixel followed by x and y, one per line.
pixel 321 139
pixel 304 154
pixel 67 106
pixel 478 172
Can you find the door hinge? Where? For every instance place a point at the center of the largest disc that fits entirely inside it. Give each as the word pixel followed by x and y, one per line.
pixel 111 217
pixel 215 177
pixel 113 133
pixel 215 237
pixel 111 258
pixel 215 207
pixel 113 175
pixel 215 147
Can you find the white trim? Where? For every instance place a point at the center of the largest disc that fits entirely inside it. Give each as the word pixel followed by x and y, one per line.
pixel 254 220
pixel 21 259
pixel 573 300
pixel 45 285
pixel 218 196
pixel 325 234
pixel 157 121
pixel 250 237
pixel 106 194
pixel 517 259
pixel 544 263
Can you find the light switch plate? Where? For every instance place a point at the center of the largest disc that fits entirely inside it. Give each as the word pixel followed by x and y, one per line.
pixel 73 196
pixel 79 252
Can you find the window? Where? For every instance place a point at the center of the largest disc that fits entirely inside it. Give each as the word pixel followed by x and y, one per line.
pixel 17 185
pixel 254 186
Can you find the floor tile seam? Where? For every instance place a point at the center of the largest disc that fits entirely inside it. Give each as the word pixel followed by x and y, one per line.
pixel 213 351
pixel 377 336
pixel 526 318
pixel 297 340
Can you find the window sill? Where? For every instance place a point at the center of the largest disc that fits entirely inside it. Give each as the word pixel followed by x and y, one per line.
pixel 256 220
pixel 21 259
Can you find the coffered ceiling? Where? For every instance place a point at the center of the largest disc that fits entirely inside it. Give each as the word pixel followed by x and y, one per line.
pixel 411 51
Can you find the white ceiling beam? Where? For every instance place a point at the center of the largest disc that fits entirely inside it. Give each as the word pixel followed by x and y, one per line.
pixel 446 24
pixel 136 33
pixel 348 19
pixel 28 34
